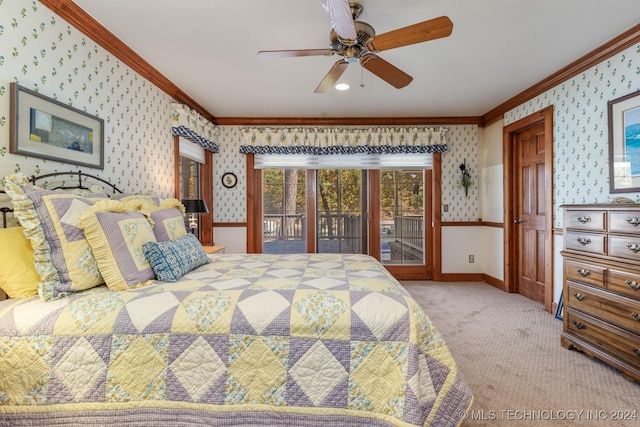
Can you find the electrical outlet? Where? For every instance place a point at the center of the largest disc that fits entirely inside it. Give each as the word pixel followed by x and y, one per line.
pixel 472 259
pixel 446 208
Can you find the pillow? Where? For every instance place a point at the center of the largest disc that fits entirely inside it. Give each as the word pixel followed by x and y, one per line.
pixel 116 235
pixel 173 259
pixel 137 198
pixel 168 221
pixel 51 219
pixel 18 275
pixel 93 190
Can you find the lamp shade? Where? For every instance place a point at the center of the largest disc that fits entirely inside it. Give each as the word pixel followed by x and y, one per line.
pixel 195 206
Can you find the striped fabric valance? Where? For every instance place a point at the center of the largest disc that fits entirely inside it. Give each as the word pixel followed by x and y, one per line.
pixel 344 140
pixel 189 124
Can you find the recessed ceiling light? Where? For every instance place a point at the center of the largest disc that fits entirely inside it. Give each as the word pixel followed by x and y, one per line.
pixel 342 86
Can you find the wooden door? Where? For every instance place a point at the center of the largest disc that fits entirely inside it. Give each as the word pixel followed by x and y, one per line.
pixel 531 211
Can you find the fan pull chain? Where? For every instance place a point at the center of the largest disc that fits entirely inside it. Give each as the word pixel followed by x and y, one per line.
pixel 361 76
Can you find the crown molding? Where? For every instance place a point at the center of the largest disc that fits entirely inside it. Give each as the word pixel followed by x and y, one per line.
pixel 346 121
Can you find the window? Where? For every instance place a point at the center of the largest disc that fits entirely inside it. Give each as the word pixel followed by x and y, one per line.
pixel 193 180
pixel 284 216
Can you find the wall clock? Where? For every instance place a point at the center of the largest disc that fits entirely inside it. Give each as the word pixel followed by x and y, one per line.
pixel 229 180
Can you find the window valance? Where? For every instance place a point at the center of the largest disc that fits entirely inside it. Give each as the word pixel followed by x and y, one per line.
pixel 189 124
pixel 344 140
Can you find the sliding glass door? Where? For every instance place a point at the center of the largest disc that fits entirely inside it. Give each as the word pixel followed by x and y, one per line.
pixel 340 214
pixel 402 225
pixel 379 205
pixel 284 216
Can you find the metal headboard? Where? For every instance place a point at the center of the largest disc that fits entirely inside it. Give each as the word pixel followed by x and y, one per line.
pixel 80 185
pixel 79 175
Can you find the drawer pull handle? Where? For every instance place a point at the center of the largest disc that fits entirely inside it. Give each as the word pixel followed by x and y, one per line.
pixel 633 284
pixel 583 272
pixel 633 221
pixel 579 296
pixel 584 219
pixel 635 316
pixel 633 247
pixel 579 325
pixel 636 351
pixel 584 241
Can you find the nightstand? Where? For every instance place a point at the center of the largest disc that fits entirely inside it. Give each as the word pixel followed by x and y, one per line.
pixel 214 249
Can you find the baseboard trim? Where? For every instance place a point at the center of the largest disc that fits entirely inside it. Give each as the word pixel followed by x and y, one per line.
pixel 472 277
pixel 462 277
pixel 496 283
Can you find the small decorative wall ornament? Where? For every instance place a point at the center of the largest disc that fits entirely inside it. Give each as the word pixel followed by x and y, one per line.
pixel 465 181
pixel 229 180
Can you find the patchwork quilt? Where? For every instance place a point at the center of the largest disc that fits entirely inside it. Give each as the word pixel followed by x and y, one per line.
pixel 301 339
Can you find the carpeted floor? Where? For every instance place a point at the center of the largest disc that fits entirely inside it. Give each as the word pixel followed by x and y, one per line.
pixel 508 349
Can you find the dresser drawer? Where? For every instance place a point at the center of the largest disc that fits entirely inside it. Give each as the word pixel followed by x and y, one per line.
pixel 625 247
pixel 618 310
pixel 585 242
pixel 585 273
pixel 585 220
pixel 611 339
pixel 624 282
pixel 624 222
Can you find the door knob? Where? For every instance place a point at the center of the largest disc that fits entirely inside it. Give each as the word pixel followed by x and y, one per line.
pixel 518 220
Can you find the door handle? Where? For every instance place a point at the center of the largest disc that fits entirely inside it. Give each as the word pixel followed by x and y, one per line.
pixel 518 221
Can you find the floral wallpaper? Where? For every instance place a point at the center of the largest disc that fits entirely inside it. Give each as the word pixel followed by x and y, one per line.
pixel 463 149
pixel 42 52
pixel 230 204
pixel 580 128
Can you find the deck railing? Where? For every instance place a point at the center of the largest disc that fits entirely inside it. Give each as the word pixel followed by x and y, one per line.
pixel 284 227
pixel 408 230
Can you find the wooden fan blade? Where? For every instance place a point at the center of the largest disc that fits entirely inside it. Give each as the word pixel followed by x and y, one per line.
pixel 293 53
pixel 339 13
pixel 332 76
pixel 417 33
pixel 387 72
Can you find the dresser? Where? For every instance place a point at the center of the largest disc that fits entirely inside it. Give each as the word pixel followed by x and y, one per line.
pixel 601 289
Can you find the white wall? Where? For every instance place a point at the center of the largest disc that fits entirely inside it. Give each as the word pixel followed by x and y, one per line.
pixel 233 238
pixel 457 244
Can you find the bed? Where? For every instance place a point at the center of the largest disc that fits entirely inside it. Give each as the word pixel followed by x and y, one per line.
pixel 228 340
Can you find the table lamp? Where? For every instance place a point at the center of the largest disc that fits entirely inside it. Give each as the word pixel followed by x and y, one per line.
pixel 194 207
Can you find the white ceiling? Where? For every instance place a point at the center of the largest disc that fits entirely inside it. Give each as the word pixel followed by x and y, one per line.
pixel 498 49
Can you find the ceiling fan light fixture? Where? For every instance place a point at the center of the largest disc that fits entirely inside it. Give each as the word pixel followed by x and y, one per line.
pixel 342 86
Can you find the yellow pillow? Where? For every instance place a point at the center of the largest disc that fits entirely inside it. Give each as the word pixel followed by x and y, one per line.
pixel 18 275
pixel 116 236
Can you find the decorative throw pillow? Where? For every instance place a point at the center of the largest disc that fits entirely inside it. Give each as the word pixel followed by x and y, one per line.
pixel 117 235
pixel 18 275
pixel 93 190
pixel 173 259
pixel 51 219
pixel 132 199
pixel 168 221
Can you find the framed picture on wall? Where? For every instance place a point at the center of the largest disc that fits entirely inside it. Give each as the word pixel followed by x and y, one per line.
pixel 46 128
pixel 624 144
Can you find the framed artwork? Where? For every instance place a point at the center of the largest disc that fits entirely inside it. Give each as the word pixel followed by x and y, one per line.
pixel 560 309
pixel 45 128
pixel 624 144
pixel 229 180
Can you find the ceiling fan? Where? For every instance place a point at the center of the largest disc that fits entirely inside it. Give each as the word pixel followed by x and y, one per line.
pixel 356 41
